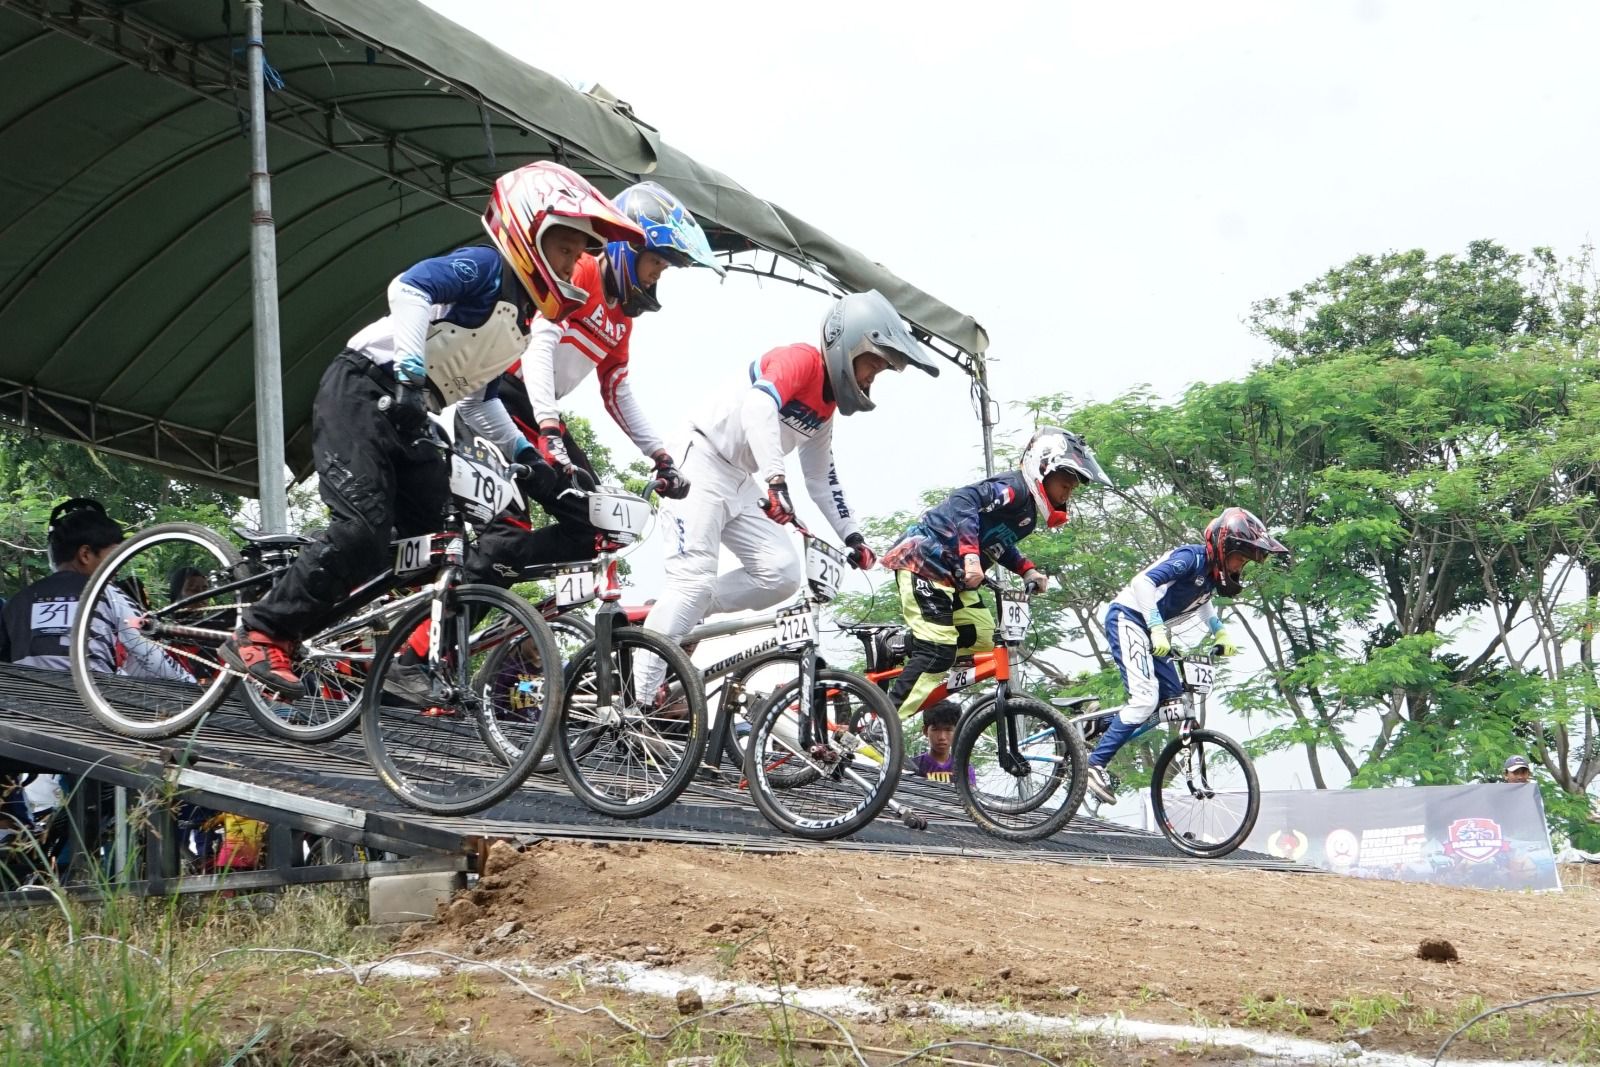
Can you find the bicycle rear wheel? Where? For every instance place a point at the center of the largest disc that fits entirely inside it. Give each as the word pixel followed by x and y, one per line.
pixel 1204 792
pixel 744 693
pixel 330 705
pixel 522 689
pixel 1037 795
pixel 830 786
pixel 144 656
pixel 436 757
pixel 619 758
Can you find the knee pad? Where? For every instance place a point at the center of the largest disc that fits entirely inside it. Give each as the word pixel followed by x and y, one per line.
pixel 966 635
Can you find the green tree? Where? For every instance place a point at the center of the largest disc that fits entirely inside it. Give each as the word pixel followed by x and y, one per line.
pixel 36 473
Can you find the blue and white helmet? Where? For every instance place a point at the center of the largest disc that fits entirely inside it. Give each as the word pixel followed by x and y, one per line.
pixel 670 232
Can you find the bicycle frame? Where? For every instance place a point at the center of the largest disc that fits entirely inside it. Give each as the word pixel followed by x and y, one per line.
pixel 1191 700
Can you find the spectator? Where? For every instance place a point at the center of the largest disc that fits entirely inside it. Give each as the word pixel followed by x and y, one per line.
pixel 1518 770
pixel 37 622
pixel 939 731
pixel 185 582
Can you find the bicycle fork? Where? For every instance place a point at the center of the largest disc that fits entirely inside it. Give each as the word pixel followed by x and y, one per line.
pixel 1005 725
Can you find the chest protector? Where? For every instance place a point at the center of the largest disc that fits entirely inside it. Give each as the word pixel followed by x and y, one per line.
pixel 462 360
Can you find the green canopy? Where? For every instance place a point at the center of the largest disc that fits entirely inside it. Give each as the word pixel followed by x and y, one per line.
pixel 125 310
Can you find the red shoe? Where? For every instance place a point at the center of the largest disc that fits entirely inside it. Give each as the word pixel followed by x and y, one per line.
pixel 264 658
pixel 439 713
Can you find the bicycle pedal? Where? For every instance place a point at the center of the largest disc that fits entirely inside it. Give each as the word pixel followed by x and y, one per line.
pixel 439 713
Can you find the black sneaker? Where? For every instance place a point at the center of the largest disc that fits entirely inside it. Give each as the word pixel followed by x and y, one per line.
pixel 409 685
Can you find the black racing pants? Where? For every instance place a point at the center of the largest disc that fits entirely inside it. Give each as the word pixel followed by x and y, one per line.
pixel 509 545
pixel 375 484
pixel 944 621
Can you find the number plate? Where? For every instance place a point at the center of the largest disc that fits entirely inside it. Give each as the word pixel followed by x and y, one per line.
pixel 1015 614
pixel 482 491
pixel 960 678
pixel 1198 676
pixel 795 627
pixel 824 568
pixel 413 554
pixel 623 515
pixel 575 586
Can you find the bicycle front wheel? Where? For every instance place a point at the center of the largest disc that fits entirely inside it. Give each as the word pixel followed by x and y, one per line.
pixel 1021 769
pixel 144 652
pixel 825 783
pixel 623 757
pixel 433 753
pixel 1204 792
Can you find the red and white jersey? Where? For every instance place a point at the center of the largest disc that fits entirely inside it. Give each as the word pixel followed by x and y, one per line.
pixel 560 356
pixel 782 407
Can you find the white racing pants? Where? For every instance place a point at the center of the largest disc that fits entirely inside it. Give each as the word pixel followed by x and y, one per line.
pixel 722 508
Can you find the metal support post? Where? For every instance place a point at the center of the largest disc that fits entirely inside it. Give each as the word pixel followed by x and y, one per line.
pixel 985 404
pixel 119 847
pixel 264 288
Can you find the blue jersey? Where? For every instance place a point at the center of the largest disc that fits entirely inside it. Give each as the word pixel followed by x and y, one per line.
pixel 1171 590
pixel 985 518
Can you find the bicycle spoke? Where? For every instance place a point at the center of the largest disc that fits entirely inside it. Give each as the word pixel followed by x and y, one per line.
pixel 828 779
pixel 1206 795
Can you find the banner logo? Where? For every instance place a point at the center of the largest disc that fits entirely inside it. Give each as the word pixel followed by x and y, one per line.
pixel 1288 845
pixel 1475 840
pixel 1341 848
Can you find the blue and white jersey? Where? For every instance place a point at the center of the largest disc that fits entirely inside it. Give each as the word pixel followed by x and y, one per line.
pixel 452 319
pixel 1173 590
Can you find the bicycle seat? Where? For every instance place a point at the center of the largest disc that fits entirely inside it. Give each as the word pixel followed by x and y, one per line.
pixel 637 613
pixel 860 628
pixel 1072 702
pixel 274 540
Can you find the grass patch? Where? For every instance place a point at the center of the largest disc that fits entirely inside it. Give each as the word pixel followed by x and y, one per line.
pixel 145 982
pixel 1273 1013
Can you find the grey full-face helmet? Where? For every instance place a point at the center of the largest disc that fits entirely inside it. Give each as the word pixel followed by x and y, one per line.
pixel 857 324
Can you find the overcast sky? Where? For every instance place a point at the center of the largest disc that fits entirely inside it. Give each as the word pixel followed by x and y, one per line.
pixel 1104 186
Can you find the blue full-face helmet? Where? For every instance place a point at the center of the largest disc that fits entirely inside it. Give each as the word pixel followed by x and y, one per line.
pixel 670 231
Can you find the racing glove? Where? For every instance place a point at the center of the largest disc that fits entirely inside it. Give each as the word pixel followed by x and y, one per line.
pixel 408 411
pixel 1035 580
pixel 553 450
pixel 862 558
pixel 1160 640
pixel 670 481
pixel 971 571
pixel 778 506
pixel 1224 643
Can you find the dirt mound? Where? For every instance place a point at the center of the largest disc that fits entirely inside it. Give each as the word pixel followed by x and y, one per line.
pixel 1186 940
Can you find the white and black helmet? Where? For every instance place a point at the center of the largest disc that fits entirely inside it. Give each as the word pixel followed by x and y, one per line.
pixel 1054 449
pixel 859 323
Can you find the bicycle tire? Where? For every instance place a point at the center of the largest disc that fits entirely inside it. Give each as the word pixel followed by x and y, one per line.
pixel 1004 819
pixel 107 695
pixel 330 708
pixel 778 800
pixel 570 631
pixel 1188 844
pixel 448 769
pixel 586 731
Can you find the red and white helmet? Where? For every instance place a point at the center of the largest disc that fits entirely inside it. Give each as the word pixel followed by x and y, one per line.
pixel 525 204
pixel 1052 449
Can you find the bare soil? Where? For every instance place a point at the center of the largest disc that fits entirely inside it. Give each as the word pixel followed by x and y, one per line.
pixel 1316 954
